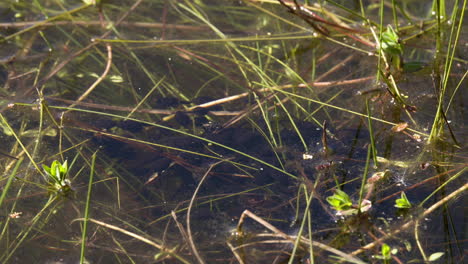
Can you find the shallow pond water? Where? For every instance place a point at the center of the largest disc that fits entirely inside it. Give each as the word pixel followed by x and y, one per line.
pixel 184 114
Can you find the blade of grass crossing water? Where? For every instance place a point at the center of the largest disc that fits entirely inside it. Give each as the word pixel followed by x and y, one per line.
pixel 455 32
pixel 10 179
pixel 364 177
pixel 395 17
pixel 5 121
pixel 371 135
pixel 86 213
pixel 307 218
pixel 379 61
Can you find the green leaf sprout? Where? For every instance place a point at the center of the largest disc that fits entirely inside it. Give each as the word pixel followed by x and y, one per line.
pixel 340 201
pixel 57 177
pixel 403 202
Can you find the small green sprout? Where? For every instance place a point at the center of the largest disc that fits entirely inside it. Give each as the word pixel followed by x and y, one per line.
pixel 403 202
pixel 391 42
pixel 340 201
pixel 57 177
pixel 392 47
pixel 386 253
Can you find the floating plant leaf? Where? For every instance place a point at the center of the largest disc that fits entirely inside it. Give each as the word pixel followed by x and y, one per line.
pixel 340 201
pixel 403 202
pixel 436 256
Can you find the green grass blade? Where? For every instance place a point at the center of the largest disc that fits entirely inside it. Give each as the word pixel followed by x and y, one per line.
pixel 10 179
pixel 86 212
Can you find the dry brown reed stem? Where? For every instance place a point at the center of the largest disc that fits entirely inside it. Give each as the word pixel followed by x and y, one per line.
pixel 412 222
pixel 123 231
pixel 214 102
pixel 266 98
pixel 335 68
pixel 98 80
pixel 309 16
pixel 179 226
pixel 106 70
pixel 280 87
pixel 236 255
pixel 292 239
pixel 245 112
pixel 287 86
pixel 189 210
pixel 136 236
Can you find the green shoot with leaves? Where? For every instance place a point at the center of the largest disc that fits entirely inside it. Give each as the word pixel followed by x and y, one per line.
pixel 392 47
pixel 402 202
pixel 57 177
pixel 386 253
pixel 340 201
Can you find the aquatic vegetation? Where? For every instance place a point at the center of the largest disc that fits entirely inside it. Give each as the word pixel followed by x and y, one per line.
pixel 386 253
pixel 403 202
pixel 392 47
pixel 303 123
pixel 340 201
pixel 57 177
